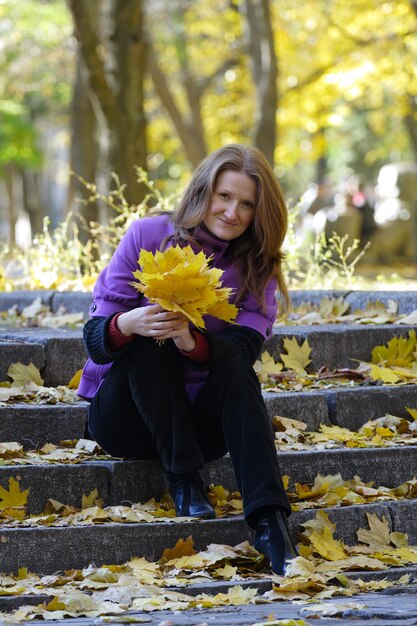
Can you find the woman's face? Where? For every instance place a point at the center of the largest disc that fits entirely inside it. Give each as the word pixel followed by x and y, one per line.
pixel 232 206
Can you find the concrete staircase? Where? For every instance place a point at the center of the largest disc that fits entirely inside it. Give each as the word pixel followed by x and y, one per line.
pixel 60 353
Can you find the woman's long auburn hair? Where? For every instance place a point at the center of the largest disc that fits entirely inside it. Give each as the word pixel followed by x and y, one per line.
pixel 258 250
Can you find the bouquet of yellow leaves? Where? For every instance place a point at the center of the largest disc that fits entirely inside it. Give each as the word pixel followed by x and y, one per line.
pixel 180 280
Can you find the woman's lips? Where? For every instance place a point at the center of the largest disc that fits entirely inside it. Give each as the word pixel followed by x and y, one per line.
pixel 227 223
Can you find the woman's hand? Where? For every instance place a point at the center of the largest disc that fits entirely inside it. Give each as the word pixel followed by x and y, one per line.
pixel 154 321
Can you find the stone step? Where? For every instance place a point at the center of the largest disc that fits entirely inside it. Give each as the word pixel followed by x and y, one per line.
pixel 336 345
pixel 12 350
pixel 60 353
pixel 264 584
pixel 138 481
pixel 61 350
pixel 40 549
pixel 357 299
pixel 72 301
pixel 77 301
pixel 33 425
pixel 350 407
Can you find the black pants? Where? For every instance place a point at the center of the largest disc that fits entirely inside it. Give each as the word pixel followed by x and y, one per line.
pixel 142 411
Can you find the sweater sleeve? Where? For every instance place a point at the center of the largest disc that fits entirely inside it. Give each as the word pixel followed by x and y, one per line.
pixel 97 340
pixel 202 349
pixel 240 341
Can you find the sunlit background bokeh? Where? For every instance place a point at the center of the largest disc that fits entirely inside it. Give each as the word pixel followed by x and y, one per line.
pixel 326 88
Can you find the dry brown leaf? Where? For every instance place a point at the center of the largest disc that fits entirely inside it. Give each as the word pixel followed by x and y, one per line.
pixel 22 374
pixel 332 610
pixel 378 535
pixel 10 449
pixel 183 547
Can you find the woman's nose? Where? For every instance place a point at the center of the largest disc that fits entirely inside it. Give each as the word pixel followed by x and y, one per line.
pixel 231 211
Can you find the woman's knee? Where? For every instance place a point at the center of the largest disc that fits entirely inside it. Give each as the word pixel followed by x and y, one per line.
pixel 150 359
pixel 232 369
pixel 121 439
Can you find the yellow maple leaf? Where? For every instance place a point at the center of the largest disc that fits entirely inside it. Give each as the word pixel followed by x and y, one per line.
pixel 273 621
pixel 377 307
pixel 235 596
pixel 299 566
pixel 219 493
pixel 408 555
pixel 332 610
pixel 180 280
pixel 412 412
pixel 388 557
pixel 399 351
pixel 336 433
pixel 55 605
pixel 324 544
pixel 383 373
pixel 22 374
pixel 13 497
pixel 75 380
pixel 409 372
pixel 183 547
pixel 266 366
pixel 297 357
pixel 91 500
pixel 409 320
pixel 378 534
pixel 23 573
pixel 226 572
pixel 223 310
pixel 385 432
pixel 400 540
pixel 330 307
pixel 318 523
pixel 123 619
pixel 145 571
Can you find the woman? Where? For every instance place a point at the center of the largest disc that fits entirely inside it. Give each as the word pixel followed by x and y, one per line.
pixel 195 397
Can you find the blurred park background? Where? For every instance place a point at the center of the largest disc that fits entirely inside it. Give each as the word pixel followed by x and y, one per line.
pixel 327 89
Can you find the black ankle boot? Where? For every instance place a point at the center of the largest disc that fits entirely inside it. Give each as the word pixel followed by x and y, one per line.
pixel 188 494
pixel 272 538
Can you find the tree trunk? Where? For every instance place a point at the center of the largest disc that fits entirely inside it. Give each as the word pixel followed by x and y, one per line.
pixel 84 151
pixel 32 201
pixel 265 74
pixel 128 145
pixel 191 137
pixel 410 121
pixel 10 189
pixel 189 125
pixel 322 161
pixel 115 64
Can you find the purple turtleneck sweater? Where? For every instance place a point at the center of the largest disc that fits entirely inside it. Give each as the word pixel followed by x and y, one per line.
pixel 113 293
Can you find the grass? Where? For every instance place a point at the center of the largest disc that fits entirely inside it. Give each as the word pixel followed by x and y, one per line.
pixel 58 259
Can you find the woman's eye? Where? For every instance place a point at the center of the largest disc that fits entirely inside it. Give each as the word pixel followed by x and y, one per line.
pixel 223 194
pixel 248 205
